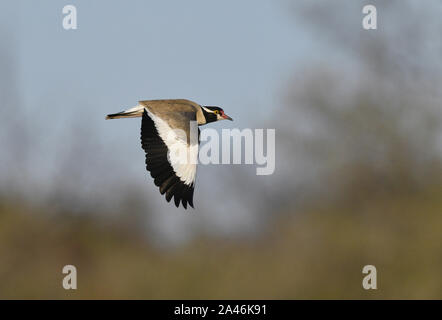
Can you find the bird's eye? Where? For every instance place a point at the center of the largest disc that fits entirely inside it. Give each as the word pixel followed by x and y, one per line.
pixel 216 111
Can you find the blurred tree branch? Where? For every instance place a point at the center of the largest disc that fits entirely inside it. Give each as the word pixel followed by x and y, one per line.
pixel 373 118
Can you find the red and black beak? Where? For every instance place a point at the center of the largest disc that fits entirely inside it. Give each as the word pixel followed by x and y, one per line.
pixel 225 116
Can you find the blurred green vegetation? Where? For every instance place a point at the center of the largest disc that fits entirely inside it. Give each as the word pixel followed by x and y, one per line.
pixel 318 253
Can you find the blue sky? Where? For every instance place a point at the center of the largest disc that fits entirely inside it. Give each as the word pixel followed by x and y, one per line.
pixel 240 55
pixel 235 54
pixel 229 53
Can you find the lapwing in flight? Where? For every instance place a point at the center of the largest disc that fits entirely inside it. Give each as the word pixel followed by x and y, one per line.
pixel 168 128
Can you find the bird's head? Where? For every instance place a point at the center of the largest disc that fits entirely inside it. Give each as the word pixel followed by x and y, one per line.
pixel 213 114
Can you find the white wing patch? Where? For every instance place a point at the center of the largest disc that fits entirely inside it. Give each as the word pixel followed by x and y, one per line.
pixel 182 156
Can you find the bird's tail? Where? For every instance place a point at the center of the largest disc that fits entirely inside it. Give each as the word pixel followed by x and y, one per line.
pixel 134 112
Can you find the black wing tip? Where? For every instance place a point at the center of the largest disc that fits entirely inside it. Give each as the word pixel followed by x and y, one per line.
pixel 165 179
pixel 180 192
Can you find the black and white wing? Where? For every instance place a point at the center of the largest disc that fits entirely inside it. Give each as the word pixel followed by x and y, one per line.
pixel 174 178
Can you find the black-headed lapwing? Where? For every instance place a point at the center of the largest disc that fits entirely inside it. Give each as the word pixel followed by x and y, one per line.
pixel 162 123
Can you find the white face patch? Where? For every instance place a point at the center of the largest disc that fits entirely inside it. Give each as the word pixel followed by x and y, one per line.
pixel 207 110
pixel 218 115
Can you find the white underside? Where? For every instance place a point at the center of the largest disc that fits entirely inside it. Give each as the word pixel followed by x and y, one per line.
pixel 182 156
pixel 136 108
